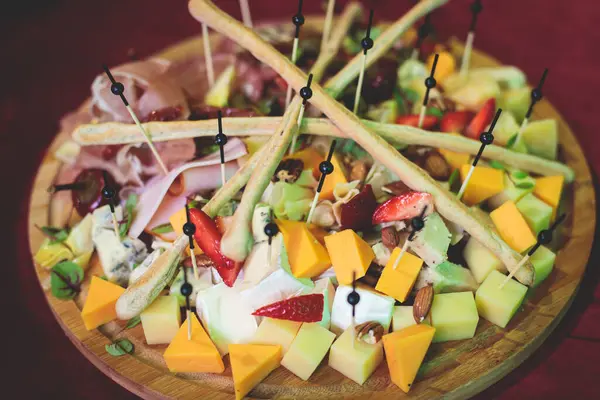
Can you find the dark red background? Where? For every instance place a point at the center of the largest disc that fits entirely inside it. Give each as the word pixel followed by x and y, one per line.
pixel 52 49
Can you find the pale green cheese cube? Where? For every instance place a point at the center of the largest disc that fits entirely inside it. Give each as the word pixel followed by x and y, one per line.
pixel 543 262
pixel 403 318
pixel 454 316
pixel 536 212
pixel 499 305
pixel 325 287
pixel 480 260
pixel 161 320
pixel 541 138
pixel 276 331
pixel 353 358
pixel 308 350
pixel 510 192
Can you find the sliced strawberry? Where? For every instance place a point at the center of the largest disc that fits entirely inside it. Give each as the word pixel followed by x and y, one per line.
pixel 404 206
pixel 208 238
pixel 482 119
pixel 413 120
pixel 455 121
pixel 356 212
pixel 308 308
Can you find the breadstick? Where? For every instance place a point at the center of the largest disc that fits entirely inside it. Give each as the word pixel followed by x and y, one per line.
pixel 413 176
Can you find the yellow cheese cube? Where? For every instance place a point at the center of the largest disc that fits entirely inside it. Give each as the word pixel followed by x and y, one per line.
pixel 445 67
pixel 196 355
pixel 484 183
pixel 348 254
pixel 308 350
pixel 403 318
pixel 49 254
pixel 161 320
pixel 499 305
pixel 398 282
pixel 357 361
pixel 276 332
pixel 307 257
pixel 405 351
pixel 512 227
pixel 454 316
pixel 250 364
pixel 99 306
pixel 333 179
pixel 456 160
pixel 549 190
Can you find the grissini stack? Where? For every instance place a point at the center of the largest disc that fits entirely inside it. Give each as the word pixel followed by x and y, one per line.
pixel 413 176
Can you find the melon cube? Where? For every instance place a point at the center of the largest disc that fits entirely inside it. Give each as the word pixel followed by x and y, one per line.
pixel 454 316
pixel 403 318
pixel 480 260
pixel 512 227
pixel 398 282
pixel 498 305
pixel 543 262
pixel 541 138
pixel 484 183
pixel 371 307
pixel 349 254
pixel 510 192
pixel 449 277
pixel 536 212
pixel 161 320
pixel 431 243
pixel 277 332
pixel 355 359
pixel 308 349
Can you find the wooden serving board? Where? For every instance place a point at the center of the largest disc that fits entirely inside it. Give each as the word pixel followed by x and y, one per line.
pixel 451 370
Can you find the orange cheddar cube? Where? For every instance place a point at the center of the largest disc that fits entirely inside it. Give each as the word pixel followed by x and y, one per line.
pixel 398 282
pixel 311 159
pixel 456 160
pixel 177 220
pixel 484 183
pixel 250 364
pixel 333 179
pixel 307 257
pixel 549 190
pixel 405 350
pixel 196 355
pixel 99 306
pixel 445 67
pixel 348 254
pixel 512 227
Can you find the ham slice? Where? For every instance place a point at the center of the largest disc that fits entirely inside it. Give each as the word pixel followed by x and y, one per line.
pixel 204 174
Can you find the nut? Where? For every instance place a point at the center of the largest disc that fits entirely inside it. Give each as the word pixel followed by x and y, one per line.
pixel 422 304
pixel 202 260
pixel 389 237
pixel 437 166
pixel 369 332
pixel 289 170
pixel 358 171
pixel 395 188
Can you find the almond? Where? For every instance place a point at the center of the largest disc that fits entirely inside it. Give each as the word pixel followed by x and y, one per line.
pixel 437 166
pixel 202 260
pixel 389 237
pixel 369 332
pixel 395 188
pixel 422 304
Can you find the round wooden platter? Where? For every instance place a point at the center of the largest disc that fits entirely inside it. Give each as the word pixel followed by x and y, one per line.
pixel 451 370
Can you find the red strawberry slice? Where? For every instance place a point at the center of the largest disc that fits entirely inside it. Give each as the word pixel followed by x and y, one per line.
pixel 482 119
pixel 308 308
pixel 455 121
pixel 404 206
pixel 356 212
pixel 208 238
pixel 413 120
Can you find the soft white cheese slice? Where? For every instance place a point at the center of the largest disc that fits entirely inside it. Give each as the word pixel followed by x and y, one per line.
pixel 275 287
pixel 257 266
pixel 371 307
pixel 226 316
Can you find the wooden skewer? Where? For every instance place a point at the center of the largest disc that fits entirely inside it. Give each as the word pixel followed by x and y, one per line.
pixel 476 8
pixel 402 251
pixel 221 140
pixel 429 84
pixel 536 95
pixel 353 299
pixel 210 71
pixel 189 229
pixel 297 20
pixel 417 224
pixel 246 17
pixel 186 290
pixel 366 43
pixel 271 229
pixel 327 24
pixel 326 168
pixel 306 94
pixel 109 194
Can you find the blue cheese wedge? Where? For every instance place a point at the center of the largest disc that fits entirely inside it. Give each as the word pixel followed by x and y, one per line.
pixel 372 307
pixel 143 267
pixel 260 218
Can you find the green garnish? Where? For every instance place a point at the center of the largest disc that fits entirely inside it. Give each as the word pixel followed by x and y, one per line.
pixel 164 228
pixel 65 280
pixel 436 112
pixel 496 165
pixel 411 95
pixel 119 348
pixel 129 208
pixel 520 174
pixel 135 321
pixel 525 185
pixel 56 235
pixel 511 142
pixel 454 177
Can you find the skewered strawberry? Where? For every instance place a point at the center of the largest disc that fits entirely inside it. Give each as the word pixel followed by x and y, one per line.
pixel 482 119
pixel 405 206
pixel 429 121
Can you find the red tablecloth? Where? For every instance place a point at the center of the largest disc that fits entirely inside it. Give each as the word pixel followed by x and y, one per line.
pixel 52 49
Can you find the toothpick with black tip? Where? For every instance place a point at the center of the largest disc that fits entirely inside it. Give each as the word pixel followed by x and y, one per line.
pixel 353 299
pixel 366 44
pixel 536 95
pixel 485 138
pixel 429 84
pixel 189 229
pixel 186 291
pixel 117 89
pixel 306 93
pixel 109 193
pixel 326 168
pixel 271 229
pixel 298 20
pixel 422 33
pixel 417 223
pixel 476 8
pixel 246 17
pixel 221 141
pixel 327 24
pixel 543 238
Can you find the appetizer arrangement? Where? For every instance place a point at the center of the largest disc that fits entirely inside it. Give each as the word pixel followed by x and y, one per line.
pixel 396 199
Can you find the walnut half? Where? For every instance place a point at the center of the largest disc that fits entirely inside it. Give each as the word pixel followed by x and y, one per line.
pixel 289 170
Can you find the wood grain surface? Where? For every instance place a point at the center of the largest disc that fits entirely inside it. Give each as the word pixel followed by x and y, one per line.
pixel 451 370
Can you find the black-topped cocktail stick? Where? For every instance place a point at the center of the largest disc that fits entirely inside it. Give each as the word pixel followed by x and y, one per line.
pixel 476 8
pixel 221 141
pixel 271 229
pixel 417 223
pixel 543 238
pixel 326 168
pixel 67 186
pixel 298 20
pixel 485 138
pixel 109 193
pixel 353 299
pixel 306 93
pixel 429 84
pixel 424 30
pixel 117 89
pixel 186 291
pixel 327 24
pixel 536 95
pixel 189 229
pixel 246 17
pixel 366 44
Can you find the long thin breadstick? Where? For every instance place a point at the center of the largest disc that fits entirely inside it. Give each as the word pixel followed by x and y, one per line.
pixel 119 133
pixel 410 174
